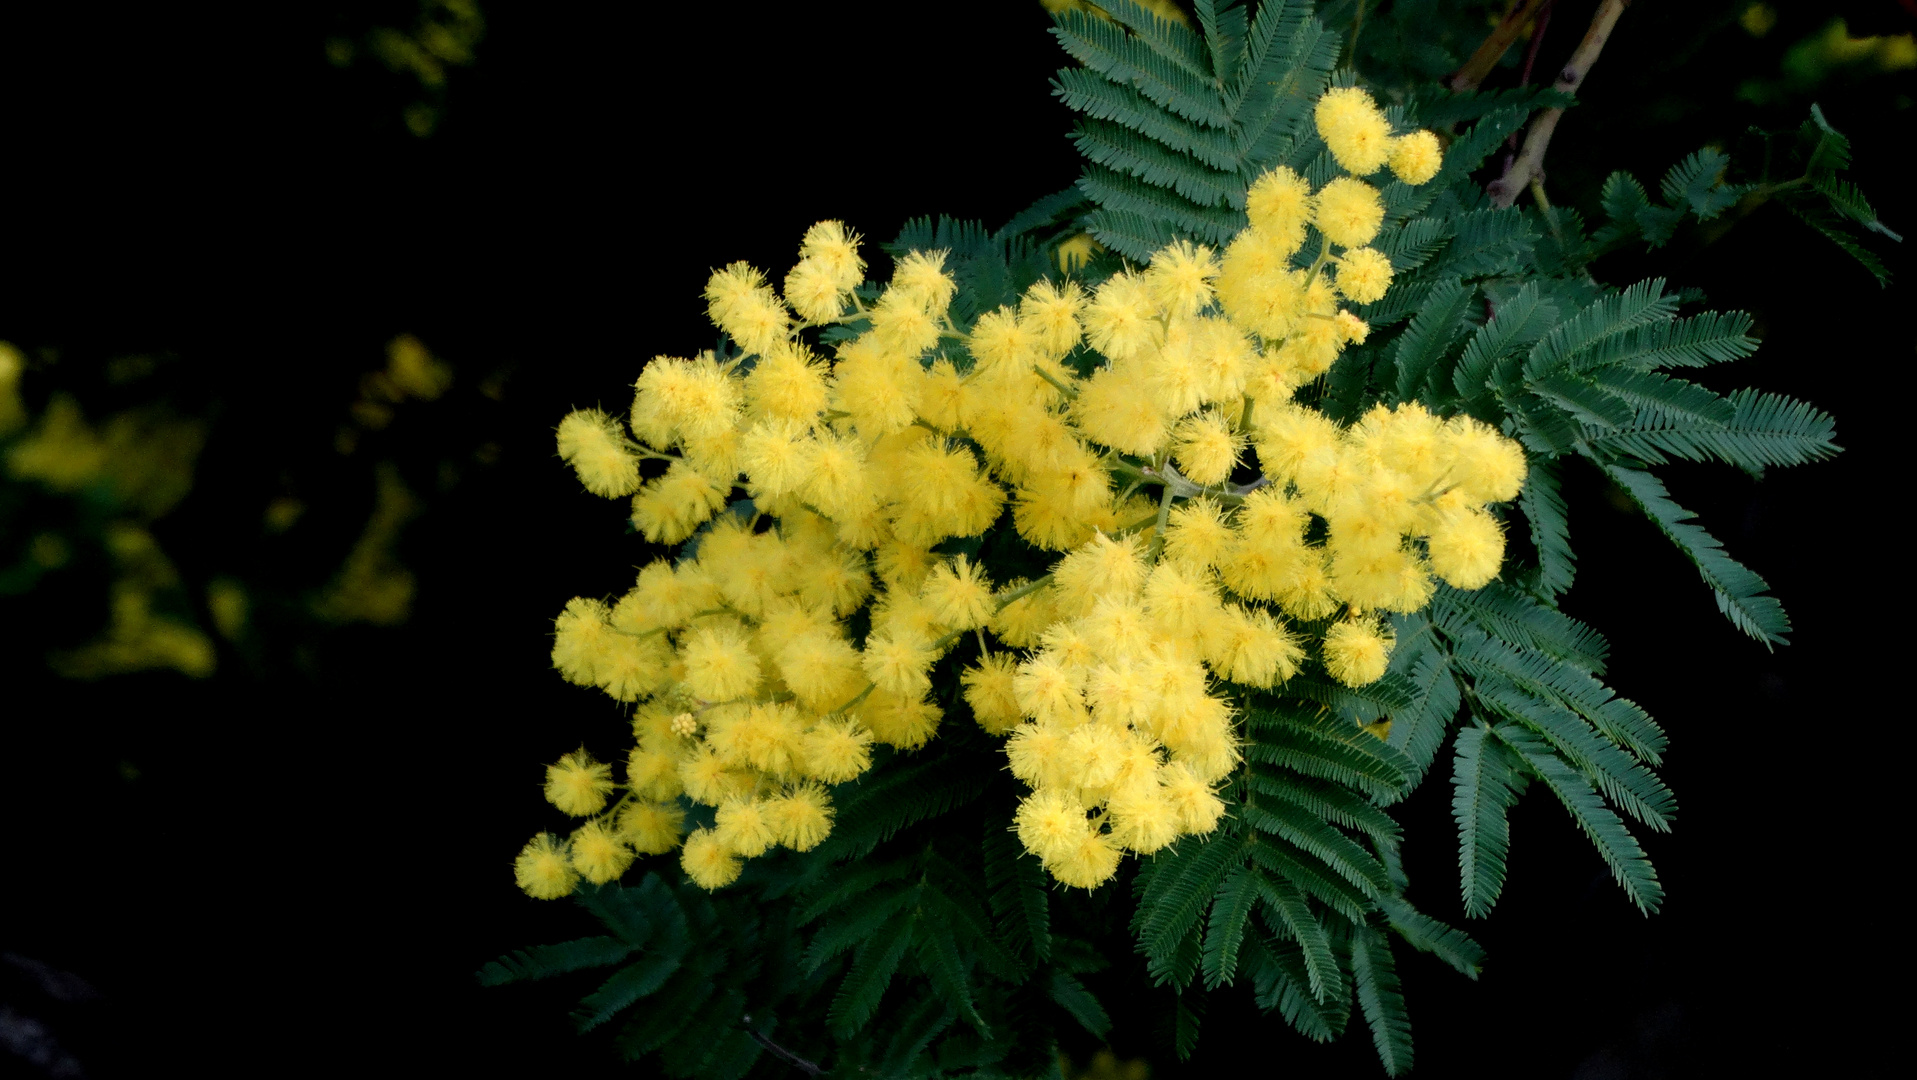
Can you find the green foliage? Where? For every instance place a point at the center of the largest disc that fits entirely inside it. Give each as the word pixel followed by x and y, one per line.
pixel 921 940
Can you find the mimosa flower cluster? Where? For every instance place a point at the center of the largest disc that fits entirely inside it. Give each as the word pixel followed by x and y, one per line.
pixel 1212 534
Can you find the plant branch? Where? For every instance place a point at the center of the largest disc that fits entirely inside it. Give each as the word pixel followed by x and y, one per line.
pixel 1530 161
pixel 1492 48
pixel 785 1055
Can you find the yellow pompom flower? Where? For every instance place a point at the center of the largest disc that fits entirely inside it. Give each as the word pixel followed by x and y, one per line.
pixel 1090 863
pixel 1364 275
pixel 652 828
pixel 653 774
pixel 581 636
pixel 691 398
pixel 1416 157
pixel 1354 129
pixel 831 245
pixel 1118 409
pixel 598 853
pixel 542 869
pixel 1180 599
pixel 1048 692
pixel 1121 321
pixel 1180 276
pixel 989 691
pixel 1050 310
pixel 708 862
pixel 801 817
pixel 765 737
pixel 719 662
pixel 837 751
pixel 741 304
pixel 1257 288
pixel 1467 548
pixel 787 382
pixel 671 508
pixel 1254 649
pixel 921 278
pixel 1050 823
pixel 958 594
pixel 729 288
pixel 591 442
pixel 1279 205
pixel 1144 820
pixel 578 785
pixel 1197 807
pixel 744 827
pixel 1349 212
pixel 898 663
pixel 902 721
pixel 1357 651
pixel 813 291
pixel 943 396
pixel 1196 533
pixel 1104 567
pixel 821 669
pixel 1020 622
pixel 1206 448
pixel 1489 467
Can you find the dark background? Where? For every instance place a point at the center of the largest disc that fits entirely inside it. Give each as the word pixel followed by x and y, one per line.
pixel 297 865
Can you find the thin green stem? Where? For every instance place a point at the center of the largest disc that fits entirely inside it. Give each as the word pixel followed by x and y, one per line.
pixel 1158 528
pixel 1324 256
pixel 1021 593
pixel 1068 391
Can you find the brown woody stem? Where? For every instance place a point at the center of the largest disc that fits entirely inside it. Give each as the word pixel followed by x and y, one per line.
pixel 1492 48
pixel 1530 161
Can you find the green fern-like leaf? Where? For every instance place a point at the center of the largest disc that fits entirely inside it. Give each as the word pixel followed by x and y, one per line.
pixel 1375 975
pixel 1225 930
pixel 1440 319
pixel 1619 849
pixel 1485 785
pixel 1070 994
pixel 1426 934
pixel 874 965
pixel 1292 916
pixel 546 961
pixel 1741 594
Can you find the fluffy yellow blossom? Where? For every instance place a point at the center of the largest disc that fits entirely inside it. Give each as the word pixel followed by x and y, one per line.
pixel 837 751
pixel 800 818
pixel 543 870
pixel 1180 278
pixel 1364 274
pixel 1357 651
pixel 1349 212
pixel 958 594
pixel 1416 157
pixel 578 785
pixel 707 861
pixel 1206 448
pixel 592 443
pixel 652 828
pixel 1467 548
pixel 1354 129
pixel 989 691
pixel 744 827
pixel 1280 205
pixel 599 854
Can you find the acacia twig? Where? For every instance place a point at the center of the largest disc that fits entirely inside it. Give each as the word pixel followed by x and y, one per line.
pixel 1492 48
pixel 790 1058
pixel 1530 161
